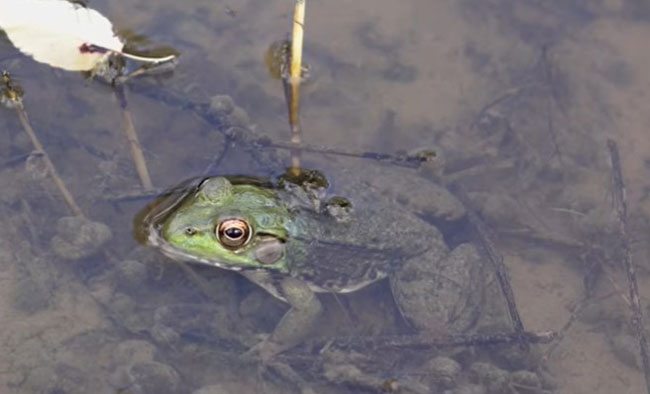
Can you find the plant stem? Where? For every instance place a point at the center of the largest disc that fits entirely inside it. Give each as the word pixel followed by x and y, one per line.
pixel 134 142
pixel 67 196
pixel 620 206
pixel 136 150
pixel 294 80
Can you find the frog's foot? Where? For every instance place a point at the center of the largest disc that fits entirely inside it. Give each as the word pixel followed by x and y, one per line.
pixel 264 354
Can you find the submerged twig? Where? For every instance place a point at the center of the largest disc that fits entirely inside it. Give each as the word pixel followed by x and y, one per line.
pixel 412 161
pixel 113 73
pixel 497 261
pixel 575 311
pixel 12 96
pixel 134 142
pixel 548 81
pixel 440 342
pixel 620 205
pixel 38 147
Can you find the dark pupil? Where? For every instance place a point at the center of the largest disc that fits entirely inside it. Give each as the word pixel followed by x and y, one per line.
pixel 234 232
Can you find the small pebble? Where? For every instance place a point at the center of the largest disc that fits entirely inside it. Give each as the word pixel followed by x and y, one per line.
pixel 212 389
pixel 78 237
pixel 469 388
pixel 239 117
pixel 222 104
pixel 445 371
pixel 525 379
pixel 134 351
pixel 155 377
pixel 132 272
pixel 494 378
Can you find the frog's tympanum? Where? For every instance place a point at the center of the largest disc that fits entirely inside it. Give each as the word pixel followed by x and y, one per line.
pixel 296 239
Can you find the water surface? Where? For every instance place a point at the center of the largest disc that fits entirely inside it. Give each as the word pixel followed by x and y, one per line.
pixel 520 96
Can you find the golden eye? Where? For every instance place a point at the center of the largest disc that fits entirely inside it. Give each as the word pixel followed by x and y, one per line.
pixel 233 233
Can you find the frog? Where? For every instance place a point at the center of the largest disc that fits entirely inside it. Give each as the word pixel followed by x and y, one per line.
pixel 297 236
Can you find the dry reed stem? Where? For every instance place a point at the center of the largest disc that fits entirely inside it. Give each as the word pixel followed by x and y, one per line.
pixel 134 142
pixel 38 147
pixel 136 150
pixel 295 75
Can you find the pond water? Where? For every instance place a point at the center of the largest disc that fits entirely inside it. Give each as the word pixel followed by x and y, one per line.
pixel 520 97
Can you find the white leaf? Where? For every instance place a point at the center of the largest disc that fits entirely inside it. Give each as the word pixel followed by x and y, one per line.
pixel 61 34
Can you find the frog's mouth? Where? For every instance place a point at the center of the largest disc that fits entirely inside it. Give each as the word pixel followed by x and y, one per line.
pixel 268 251
pixel 145 222
pixel 156 240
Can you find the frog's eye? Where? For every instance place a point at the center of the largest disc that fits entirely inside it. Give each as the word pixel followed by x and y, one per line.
pixel 233 233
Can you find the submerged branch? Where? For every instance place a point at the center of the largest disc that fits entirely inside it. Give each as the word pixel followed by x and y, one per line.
pixel 620 206
pixel 438 342
pixel 490 250
pixel 38 148
pixel 134 142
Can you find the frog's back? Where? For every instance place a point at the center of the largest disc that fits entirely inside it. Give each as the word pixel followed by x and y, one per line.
pixel 398 186
pixel 345 255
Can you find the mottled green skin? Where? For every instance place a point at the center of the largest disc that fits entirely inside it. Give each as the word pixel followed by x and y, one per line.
pixel 218 199
pixel 329 253
pixel 382 235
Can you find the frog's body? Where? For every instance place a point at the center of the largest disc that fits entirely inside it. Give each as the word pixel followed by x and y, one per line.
pixel 294 240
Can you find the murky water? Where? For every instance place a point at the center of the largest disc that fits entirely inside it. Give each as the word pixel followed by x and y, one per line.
pixel 520 96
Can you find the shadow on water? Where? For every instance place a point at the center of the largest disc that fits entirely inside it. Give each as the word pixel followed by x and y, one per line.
pixel 518 98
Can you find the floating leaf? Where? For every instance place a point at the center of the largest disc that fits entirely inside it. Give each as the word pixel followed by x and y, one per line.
pixel 62 34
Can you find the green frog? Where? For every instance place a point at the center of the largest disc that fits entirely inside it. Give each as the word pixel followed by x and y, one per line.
pixel 295 236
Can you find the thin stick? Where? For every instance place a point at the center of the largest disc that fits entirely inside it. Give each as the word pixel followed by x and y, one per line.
pixel 493 255
pixel 134 142
pixel 403 160
pixel 444 341
pixel 67 196
pixel 620 205
pixel 136 150
pixel 576 310
pixel 294 79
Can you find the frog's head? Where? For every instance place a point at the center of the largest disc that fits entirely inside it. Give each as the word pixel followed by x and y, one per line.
pixel 232 226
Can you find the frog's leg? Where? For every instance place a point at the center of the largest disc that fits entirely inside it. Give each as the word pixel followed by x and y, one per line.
pixel 441 294
pixel 299 319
